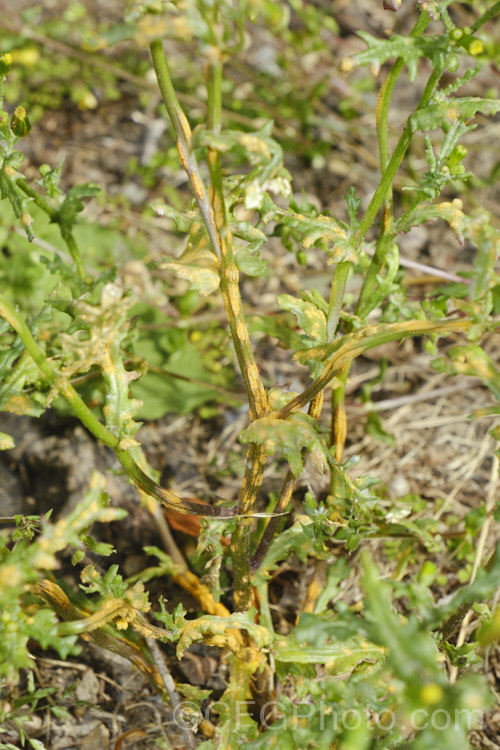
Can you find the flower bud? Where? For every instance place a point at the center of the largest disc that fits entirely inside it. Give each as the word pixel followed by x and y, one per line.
pixel 455 158
pixel 452 62
pixel 20 124
pixel 5 63
pixel 474 46
pixel 302 258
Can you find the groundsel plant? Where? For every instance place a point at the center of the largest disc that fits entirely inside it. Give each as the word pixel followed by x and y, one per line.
pixel 387 670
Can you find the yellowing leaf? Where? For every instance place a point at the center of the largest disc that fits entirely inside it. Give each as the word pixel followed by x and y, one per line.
pixel 311 319
pixel 471 360
pixel 287 437
pixel 222 631
pixel 198 266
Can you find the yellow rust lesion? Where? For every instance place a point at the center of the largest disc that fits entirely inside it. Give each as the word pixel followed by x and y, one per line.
pixel 185 127
pixel 233 294
pixel 231 274
pixel 254 378
pixel 258 464
pixel 242 333
pixel 171 500
pixel 255 145
pixel 340 430
pixel 363 334
pixel 255 463
pixel 105 362
pixel 218 209
pixel 455 215
pixel 244 486
pixel 317 405
pixel 183 156
pixel 197 187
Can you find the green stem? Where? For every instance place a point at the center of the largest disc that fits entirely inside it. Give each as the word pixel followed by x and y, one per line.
pixel 241 539
pixel 54 216
pixel 274 522
pixel 485 17
pixel 393 166
pixel 100 431
pixel 382 114
pixel 364 304
pixel 40 201
pixel 229 276
pixel 214 95
pixel 383 195
pixel 336 298
pixel 384 190
pixel 70 241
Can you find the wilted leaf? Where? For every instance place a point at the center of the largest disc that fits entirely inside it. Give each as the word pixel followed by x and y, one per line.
pixel 311 319
pixel 17 371
pixel 288 438
pixel 449 211
pixel 342 252
pixel 312 229
pixel 212 626
pixel 199 266
pixel 471 360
